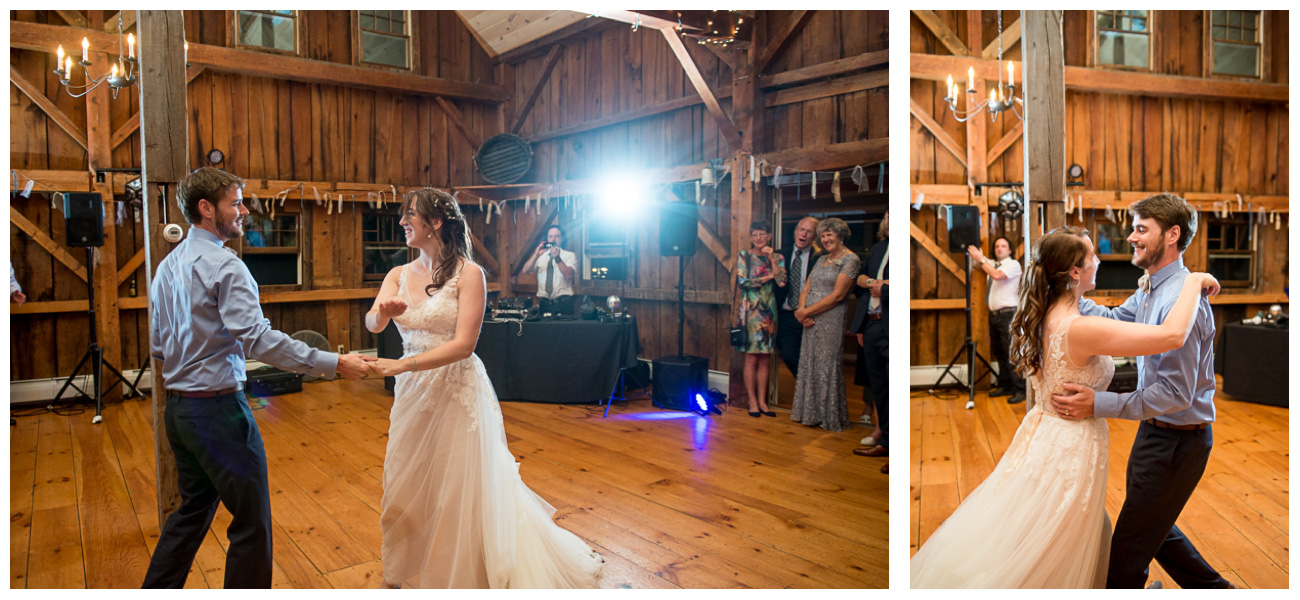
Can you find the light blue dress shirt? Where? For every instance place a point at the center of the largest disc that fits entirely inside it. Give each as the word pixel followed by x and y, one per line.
pixel 1177 386
pixel 206 316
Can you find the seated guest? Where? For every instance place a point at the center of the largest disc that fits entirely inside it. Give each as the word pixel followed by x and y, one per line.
pixel 759 271
pixel 819 390
pixel 799 257
pixel 555 268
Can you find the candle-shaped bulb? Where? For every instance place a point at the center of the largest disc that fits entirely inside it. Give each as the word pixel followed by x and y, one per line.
pixel 187 48
pixel 1011 73
pixel 949 88
pixel 85 48
pixel 130 45
pixel 993 96
pixel 113 75
pixel 60 63
pixel 970 78
pixel 67 67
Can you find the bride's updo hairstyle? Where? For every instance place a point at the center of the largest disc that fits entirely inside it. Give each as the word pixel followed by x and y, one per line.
pixel 430 204
pixel 1046 281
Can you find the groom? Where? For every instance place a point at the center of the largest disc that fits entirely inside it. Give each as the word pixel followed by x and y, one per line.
pixel 1174 401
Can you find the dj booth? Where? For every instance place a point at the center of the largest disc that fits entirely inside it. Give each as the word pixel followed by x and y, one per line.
pixel 559 362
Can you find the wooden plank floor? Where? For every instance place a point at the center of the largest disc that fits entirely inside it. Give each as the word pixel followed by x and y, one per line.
pixel 670 499
pixel 1237 517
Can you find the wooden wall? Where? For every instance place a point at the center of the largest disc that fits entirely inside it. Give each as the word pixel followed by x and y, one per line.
pixel 277 129
pixel 1124 142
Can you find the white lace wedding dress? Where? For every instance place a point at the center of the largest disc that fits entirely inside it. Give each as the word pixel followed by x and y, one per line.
pixel 455 512
pixel 1039 520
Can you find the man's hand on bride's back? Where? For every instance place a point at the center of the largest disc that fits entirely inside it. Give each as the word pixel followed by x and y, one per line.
pixel 392 307
pixel 1209 285
pixel 1075 406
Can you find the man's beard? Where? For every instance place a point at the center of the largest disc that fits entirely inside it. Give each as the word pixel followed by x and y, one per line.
pixel 228 231
pixel 1150 257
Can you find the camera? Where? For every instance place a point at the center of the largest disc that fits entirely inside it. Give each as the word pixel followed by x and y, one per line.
pixel 548 245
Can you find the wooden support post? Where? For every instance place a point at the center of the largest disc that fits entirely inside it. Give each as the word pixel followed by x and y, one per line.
pixel 747 111
pixel 977 171
pixel 99 133
pixel 164 135
pixel 1044 144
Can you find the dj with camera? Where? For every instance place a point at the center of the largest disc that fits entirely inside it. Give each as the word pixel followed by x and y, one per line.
pixel 555 268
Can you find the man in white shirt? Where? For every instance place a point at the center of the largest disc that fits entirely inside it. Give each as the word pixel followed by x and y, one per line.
pixel 1004 296
pixel 555 268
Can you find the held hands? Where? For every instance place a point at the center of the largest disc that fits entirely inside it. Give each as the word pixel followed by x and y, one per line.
pixel 354 366
pixel 975 253
pixel 555 251
pixel 1076 406
pixel 387 367
pixel 392 307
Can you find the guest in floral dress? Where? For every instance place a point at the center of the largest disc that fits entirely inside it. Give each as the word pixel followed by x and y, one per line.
pixel 819 391
pixel 758 271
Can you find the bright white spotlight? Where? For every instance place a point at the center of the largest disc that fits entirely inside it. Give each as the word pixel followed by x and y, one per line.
pixel 621 197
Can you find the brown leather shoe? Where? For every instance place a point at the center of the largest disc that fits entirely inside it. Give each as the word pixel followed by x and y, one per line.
pixel 885 469
pixel 871 451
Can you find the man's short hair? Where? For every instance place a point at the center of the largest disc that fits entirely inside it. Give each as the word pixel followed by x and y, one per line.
pixel 1010 244
pixel 207 183
pixel 1169 210
pixel 563 235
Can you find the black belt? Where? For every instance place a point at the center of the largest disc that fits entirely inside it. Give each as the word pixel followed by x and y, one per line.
pixel 211 394
pixel 1164 425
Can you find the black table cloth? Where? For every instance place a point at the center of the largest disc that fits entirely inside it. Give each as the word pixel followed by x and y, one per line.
pixel 1253 362
pixel 559 362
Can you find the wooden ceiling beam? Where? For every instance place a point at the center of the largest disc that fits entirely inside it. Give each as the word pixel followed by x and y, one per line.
pixel 938 132
pixel 74 18
pixel 825 89
pixel 632 115
pixel 934 67
pixel 831 157
pixel 46 105
pixel 946 35
pixel 453 115
pixel 541 44
pixel 36 36
pixel 778 43
pixel 1010 37
pixel 824 70
pixel 693 73
pixel 128 21
pixel 552 58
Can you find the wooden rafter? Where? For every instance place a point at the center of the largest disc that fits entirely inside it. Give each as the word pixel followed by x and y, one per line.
pixel 45 242
pixel 715 246
pixel 727 55
pixel 453 115
pixel 939 134
pixel 74 18
pixel 826 89
pixel 1007 141
pixel 37 36
pixel 1010 36
pixel 939 255
pixel 128 21
pixel 820 71
pixel 632 115
pixel 935 67
pixel 782 38
pixel 59 117
pixel 548 65
pixel 133 124
pixel 831 156
pixel 693 73
pixel 945 34
pixel 129 268
pixel 483 257
pixel 530 244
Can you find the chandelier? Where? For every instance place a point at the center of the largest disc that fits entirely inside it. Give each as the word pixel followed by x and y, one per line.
pixel 998 102
pixel 119 76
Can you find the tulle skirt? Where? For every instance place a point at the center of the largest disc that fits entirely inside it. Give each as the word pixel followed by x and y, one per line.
pixel 455 512
pixel 1038 521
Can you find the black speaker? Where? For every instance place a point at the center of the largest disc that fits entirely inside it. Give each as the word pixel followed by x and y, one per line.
pixel 84 214
pixel 963 228
pixel 677 379
pixel 677 228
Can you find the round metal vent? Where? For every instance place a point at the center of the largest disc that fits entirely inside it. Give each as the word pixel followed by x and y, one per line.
pixel 504 158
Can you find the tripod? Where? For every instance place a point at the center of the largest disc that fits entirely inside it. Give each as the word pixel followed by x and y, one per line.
pixel 967 348
pixel 95 355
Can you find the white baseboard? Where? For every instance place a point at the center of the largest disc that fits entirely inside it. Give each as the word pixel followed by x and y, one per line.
pixel 35 391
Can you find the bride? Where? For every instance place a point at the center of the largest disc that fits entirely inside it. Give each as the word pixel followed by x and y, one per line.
pixel 1039 519
pixel 455 512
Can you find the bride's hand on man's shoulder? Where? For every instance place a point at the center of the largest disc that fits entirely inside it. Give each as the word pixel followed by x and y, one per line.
pixel 1209 285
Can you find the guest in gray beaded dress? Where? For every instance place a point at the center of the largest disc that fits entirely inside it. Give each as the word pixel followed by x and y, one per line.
pixel 819 391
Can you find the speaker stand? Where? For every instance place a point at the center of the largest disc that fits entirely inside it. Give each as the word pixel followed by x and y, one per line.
pixel 95 356
pixel 967 348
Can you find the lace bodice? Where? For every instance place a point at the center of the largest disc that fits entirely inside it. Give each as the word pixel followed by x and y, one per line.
pixel 1057 369
pixel 429 320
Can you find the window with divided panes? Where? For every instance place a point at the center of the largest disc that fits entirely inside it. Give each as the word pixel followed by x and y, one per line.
pixel 274 29
pixel 271 248
pixel 383 244
pixel 1124 38
pixel 385 38
pixel 1228 252
pixel 1236 39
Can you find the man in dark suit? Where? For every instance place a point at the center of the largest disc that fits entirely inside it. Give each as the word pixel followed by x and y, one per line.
pixel 789 332
pixel 871 324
